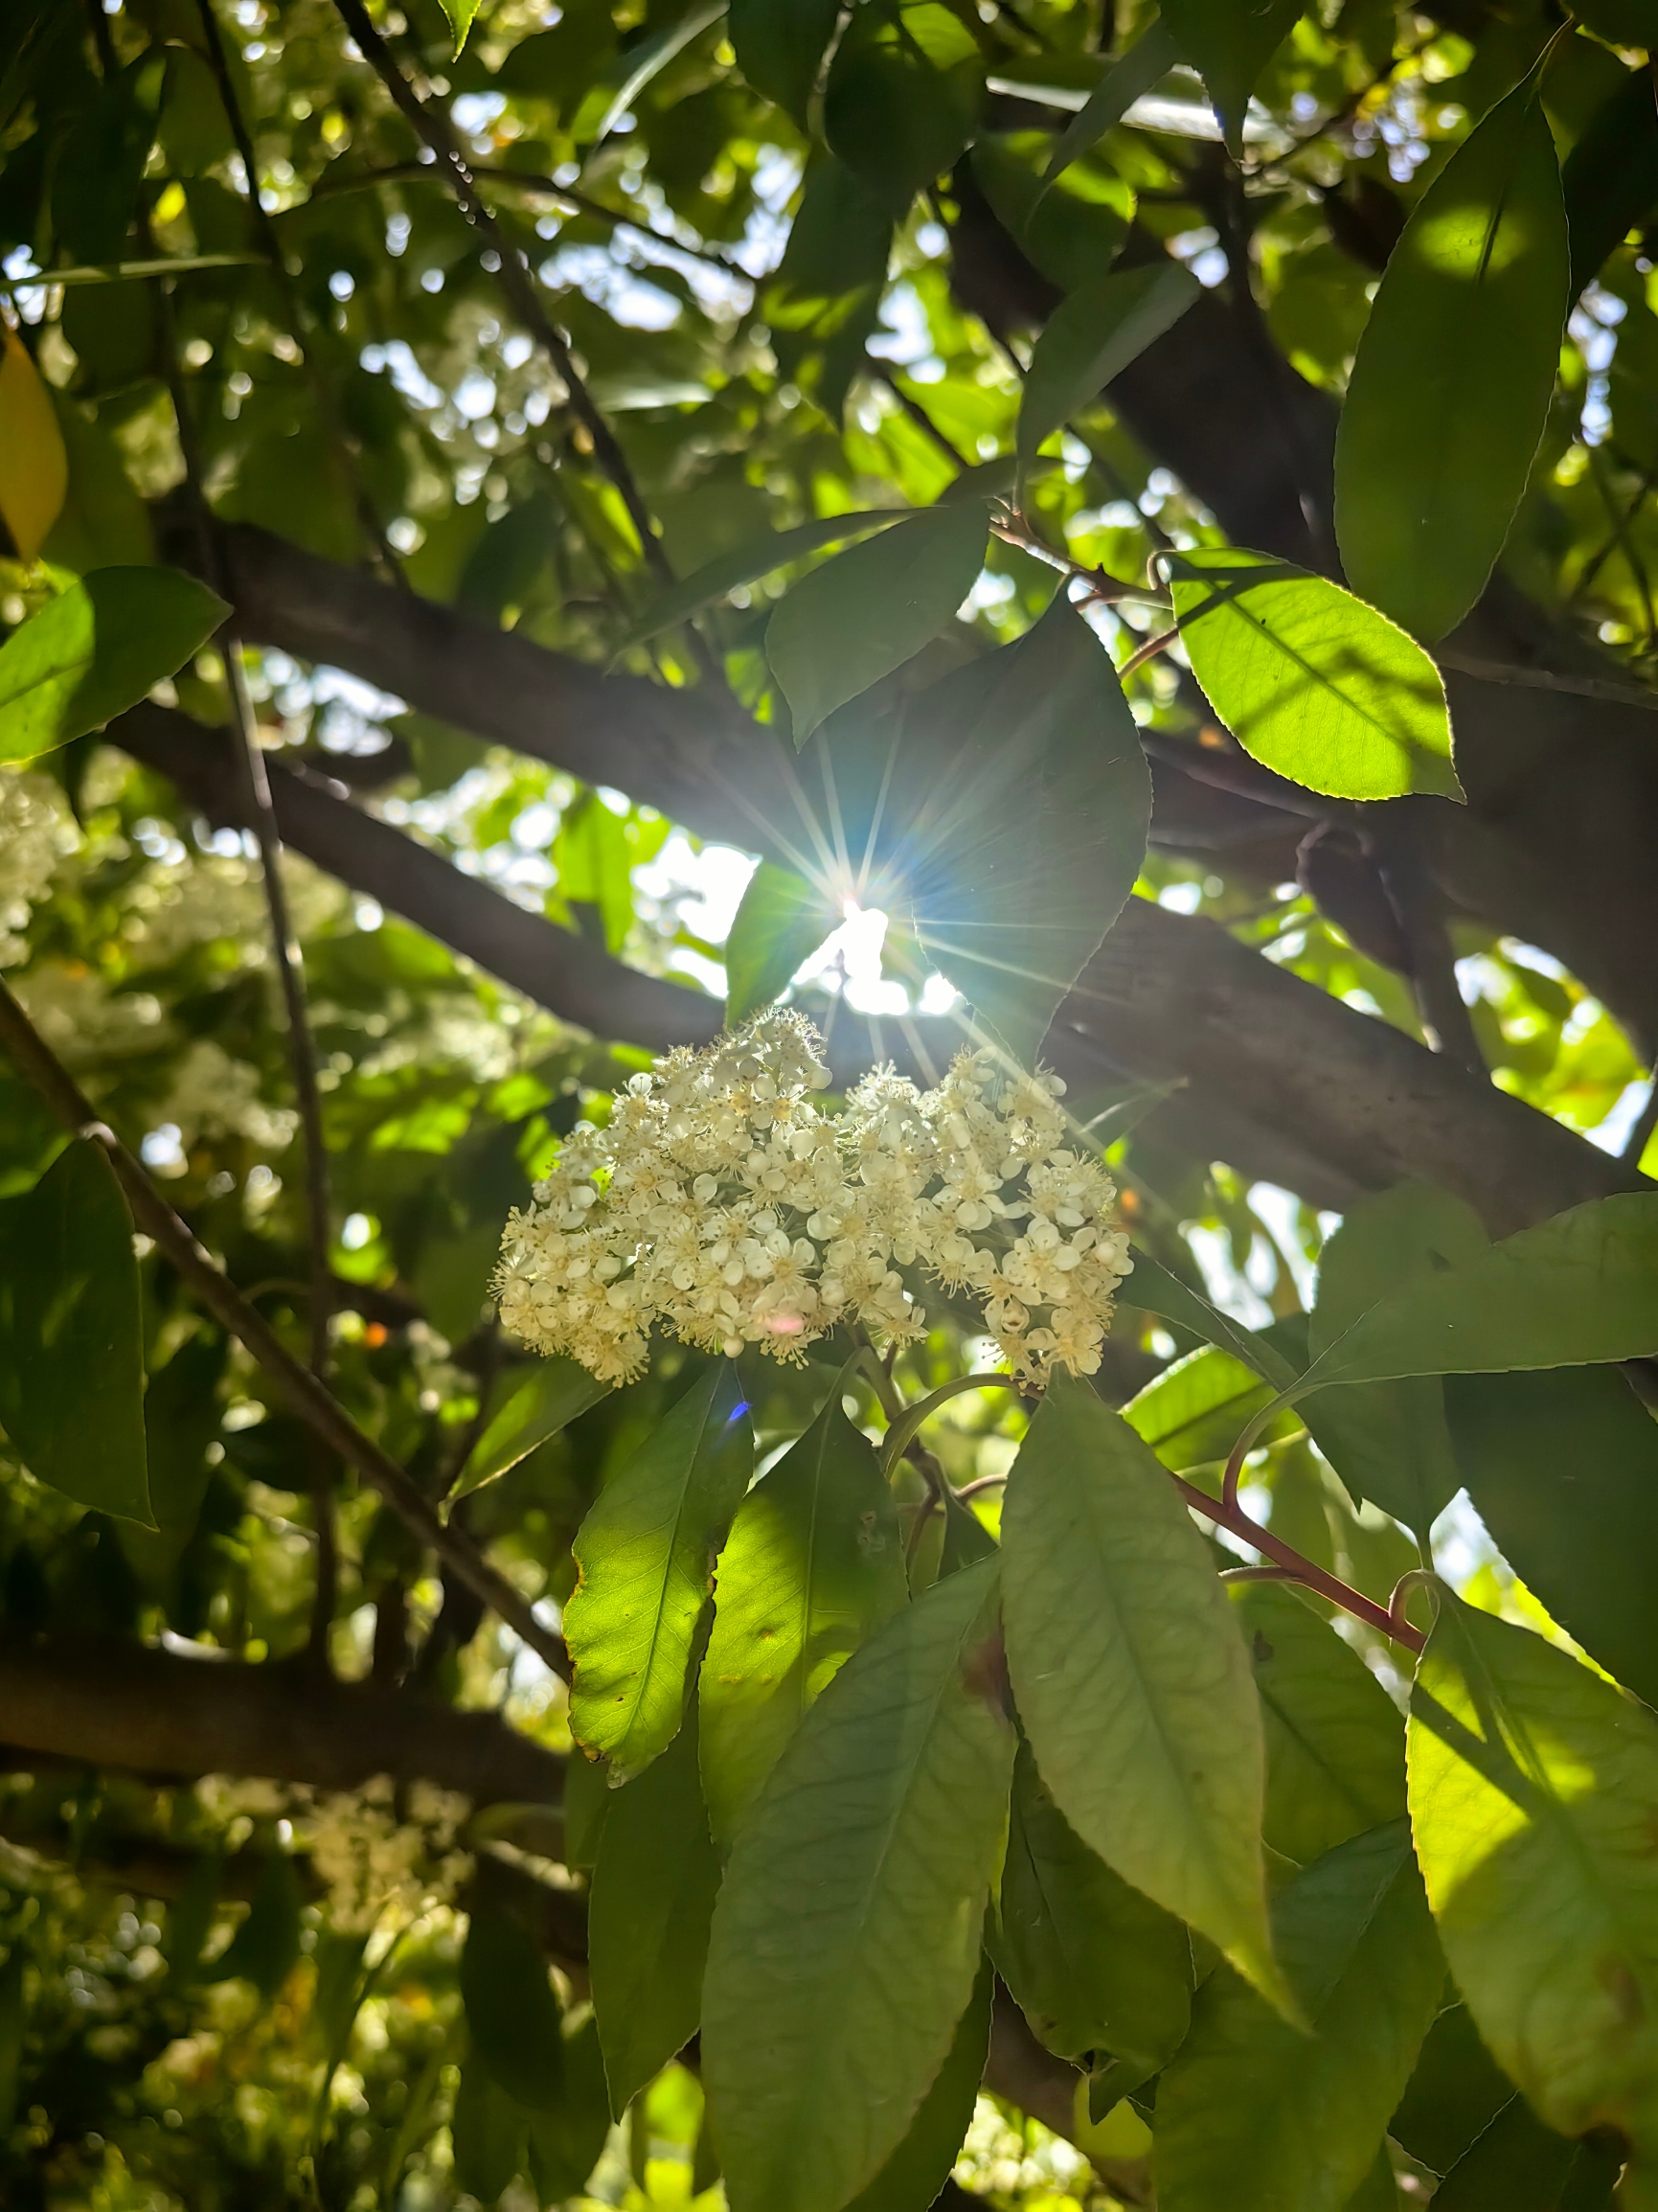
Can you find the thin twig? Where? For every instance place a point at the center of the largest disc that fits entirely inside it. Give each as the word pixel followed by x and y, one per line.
pixel 1150 651
pixel 538 187
pixel 1499 672
pixel 312 1401
pixel 432 127
pixel 289 966
pixel 322 392
pixel 1298 1568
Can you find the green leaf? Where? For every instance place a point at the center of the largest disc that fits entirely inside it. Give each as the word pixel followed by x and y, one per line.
pixel 551 1396
pixel 824 301
pixel 1533 1787
pixel 1093 1963
pixel 1091 337
pixel 488 2130
pixel 1379 2191
pixel 748 563
pixel 1621 22
pixel 1146 63
pixel 1451 385
pixel 642 62
pixel 780 46
pixel 1388 1441
pixel 823 2029
pixel 1130 1674
pixel 918 2170
pixel 1610 179
pixel 512 2014
pixel 265 1948
pixel 588 1801
pixel 94 650
pixel 812 1565
pixel 1229 43
pixel 1577 1289
pixel 1018 867
pixel 782 921
pixel 893 117
pixel 646 1553
pixel 1462 2117
pixel 71 1335
pixel 1311 681
pixel 1070 239
pixel 863 614
pixel 461 15
pixel 1155 1291
pixel 1335 1740
pixel 567 2142
pixel 1195 1409
pixel 652 1897
pixel 1562 1467
pixel 1253 2116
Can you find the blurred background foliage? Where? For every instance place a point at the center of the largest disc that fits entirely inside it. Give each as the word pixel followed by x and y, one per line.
pixel 766 357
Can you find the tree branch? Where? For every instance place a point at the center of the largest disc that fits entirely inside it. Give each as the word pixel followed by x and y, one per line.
pixel 158 1712
pixel 1285 1082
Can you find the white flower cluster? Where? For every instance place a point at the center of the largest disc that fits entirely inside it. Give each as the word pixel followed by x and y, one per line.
pixel 35 832
pixel 372 1859
pixel 371 1854
pixel 721 1204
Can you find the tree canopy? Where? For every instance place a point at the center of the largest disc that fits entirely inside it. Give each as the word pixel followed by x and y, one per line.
pixel 827 1309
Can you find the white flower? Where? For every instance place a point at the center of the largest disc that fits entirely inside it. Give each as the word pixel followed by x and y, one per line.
pixel 721 1205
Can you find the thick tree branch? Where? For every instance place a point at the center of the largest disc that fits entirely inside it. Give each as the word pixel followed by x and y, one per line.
pixel 160 1713
pixel 1284 1081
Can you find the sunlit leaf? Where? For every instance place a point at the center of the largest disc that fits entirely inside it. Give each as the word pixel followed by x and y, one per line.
pixel 823 2031
pixel 1131 1677
pixel 813 1565
pixel 94 650
pixel 1534 1789
pixel 646 1553
pixel 1310 680
pixel 1451 385
pixel 461 15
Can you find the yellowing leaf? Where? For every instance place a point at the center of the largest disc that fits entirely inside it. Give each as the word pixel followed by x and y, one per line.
pixel 33 466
